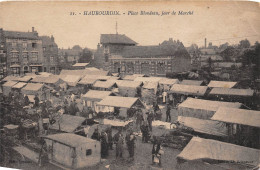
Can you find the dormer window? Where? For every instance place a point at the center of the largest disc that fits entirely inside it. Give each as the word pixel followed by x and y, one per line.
pixel 34 45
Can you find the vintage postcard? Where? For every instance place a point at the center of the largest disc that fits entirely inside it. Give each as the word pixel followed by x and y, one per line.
pixel 113 85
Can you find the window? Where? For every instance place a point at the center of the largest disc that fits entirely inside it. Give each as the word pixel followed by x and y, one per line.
pixel 34 56
pixel 44 48
pixel 14 57
pixel 14 44
pixel 34 45
pixel 88 152
pixel 51 59
pixel 25 56
pixel 15 71
pixel 24 45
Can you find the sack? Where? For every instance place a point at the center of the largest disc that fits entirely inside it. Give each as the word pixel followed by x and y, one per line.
pixel 156 160
pixel 161 152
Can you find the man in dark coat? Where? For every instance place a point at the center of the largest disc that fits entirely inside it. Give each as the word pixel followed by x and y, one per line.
pixel 150 119
pixel 130 141
pixel 26 100
pixel 95 135
pixel 119 141
pixel 36 101
pixel 168 113
pixel 104 145
pixel 145 132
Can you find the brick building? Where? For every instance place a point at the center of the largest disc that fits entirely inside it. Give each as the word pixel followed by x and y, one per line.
pixel 50 55
pixel 24 52
pixel 118 53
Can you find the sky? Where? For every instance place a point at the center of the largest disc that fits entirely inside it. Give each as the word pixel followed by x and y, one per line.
pixel 219 22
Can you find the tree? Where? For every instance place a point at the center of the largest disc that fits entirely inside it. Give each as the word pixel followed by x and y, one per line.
pixel 244 44
pixel 85 56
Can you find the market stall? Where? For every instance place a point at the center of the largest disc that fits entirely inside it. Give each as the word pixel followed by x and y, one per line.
pixel 41 90
pixel 203 109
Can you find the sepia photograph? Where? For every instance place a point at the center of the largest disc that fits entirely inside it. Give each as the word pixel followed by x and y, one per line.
pixel 130 85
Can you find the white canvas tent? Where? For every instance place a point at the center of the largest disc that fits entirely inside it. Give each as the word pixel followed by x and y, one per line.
pixel 223 84
pixel 166 83
pixel 7 87
pixel 71 80
pixel 128 88
pixel 238 116
pixel 207 149
pixel 220 91
pixel 189 89
pixel 104 85
pixel 73 151
pixel 94 96
pixel 203 109
pixel 37 88
pixel 19 85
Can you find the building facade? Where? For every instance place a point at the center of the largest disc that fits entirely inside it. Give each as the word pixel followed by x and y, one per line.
pixel 2 55
pixel 50 55
pixel 119 54
pixel 24 52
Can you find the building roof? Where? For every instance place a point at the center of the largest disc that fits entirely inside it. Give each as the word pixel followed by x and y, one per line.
pixel 231 91
pixel 238 116
pixel 104 84
pixel 80 64
pixel 204 126
pixel 33 86
pixel 9 83
pixel 189 89
pixel 116 39
pixel 208 105
pixel 47 40
pixel 19 85
pixel 70 139
pixel 191 82
pixel 147 51
pixel 167 81
pixel 97 95
pixel 118 101
pixel 68 123
pixel 21 35
pixel 225 84
pixel 208 149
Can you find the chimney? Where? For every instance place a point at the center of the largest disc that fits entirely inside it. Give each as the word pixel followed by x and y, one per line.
pixel 32 29
pixel 205 42
pixel 52 38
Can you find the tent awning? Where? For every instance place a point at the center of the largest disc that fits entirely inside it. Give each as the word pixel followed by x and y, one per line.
pixel 189 89
pixel 238 116
pixel 224 84
pixel 231 92
pixel 118 101
pixel 207 149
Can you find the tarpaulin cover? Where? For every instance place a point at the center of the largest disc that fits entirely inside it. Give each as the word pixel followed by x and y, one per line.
pixel 19 85
pixel 204 126
pixel 239 116
pixel 207 149
pixel 189 89
pixel 224 84
pixel 68 123
pixel 231 92
pixel 191 82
